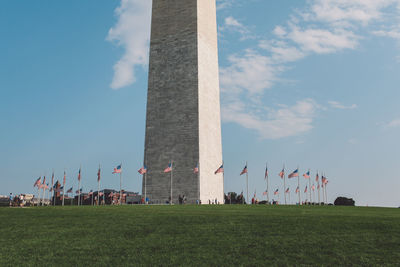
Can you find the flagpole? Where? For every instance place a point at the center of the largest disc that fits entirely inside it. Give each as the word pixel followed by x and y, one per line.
pixel 298 184
pixel 145 187
pixel 44 191
pixel 266 168
pixel 323 190
pixel 313 193
pixel 79 187
pixel 63 190
pixel 98 187
pixel 326 193
pixel 289 196
pixel 309 183
pixel 38 195
pixel 284 185
pixel 120 186
pixel 247 183
pixel 171 181
pixel 198 180
pixel 63 194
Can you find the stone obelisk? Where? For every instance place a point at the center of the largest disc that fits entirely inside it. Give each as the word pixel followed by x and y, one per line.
pixel 183 122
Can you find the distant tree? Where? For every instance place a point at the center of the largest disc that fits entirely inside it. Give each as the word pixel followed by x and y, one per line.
pixel 343 201
pixel 234 198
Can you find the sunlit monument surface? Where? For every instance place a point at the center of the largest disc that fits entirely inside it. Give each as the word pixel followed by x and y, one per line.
pixel 183 106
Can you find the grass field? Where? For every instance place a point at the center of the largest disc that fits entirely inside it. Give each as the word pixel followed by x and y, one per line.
pixel 199 235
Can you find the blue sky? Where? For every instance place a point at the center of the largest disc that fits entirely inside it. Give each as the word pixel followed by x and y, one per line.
pixel 313 84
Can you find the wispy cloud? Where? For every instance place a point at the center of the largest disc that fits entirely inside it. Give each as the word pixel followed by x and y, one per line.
pixel 233 25
pixel 132 32
pixel 223 4
pixel 275 123
pixel 322 27
pixel 393 124
pixel 335 104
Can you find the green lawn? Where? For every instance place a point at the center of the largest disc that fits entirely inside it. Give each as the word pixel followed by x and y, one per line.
pixel 199 235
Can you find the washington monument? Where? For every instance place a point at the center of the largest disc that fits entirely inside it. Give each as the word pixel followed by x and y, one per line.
pixel 183 124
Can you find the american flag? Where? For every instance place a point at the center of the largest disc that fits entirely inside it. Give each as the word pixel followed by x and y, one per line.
pixel 307 175
pixel 318 187
pixel 46 186
pixel 196 169
pixel 244 170
pixel 266 172
pixel 305 190
pixel 324 180
pixel 169 168
pixel 317 177
pixel 297 189
pixel 37 183
pixel 65 178
pixel 287 190
pixel 52 180
pixel 79 174
pixel 69 190
pixel 313 187
pixel 98 174
pixel 118 169
pixel 220 169
pixel 78 191
pixel 265 193
pixel 143 170
pixel 294 174
pixel 276 192
pixel 44 180
pixel 282 173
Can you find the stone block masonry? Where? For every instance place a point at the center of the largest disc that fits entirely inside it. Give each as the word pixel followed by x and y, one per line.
pixel 183 105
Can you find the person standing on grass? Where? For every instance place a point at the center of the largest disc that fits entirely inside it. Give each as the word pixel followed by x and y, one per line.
pixel 11 199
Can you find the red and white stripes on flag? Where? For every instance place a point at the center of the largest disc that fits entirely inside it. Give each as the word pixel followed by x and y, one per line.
pixel 143 170
pixel 117 169
pixel 307 175
pixel 297 189
pixel 79 174
pixel 294 174
pixel 169 168
pixel 220 169
pixel 305 190
pixel 196 169
pixel 37 183
pixel 276 192
pixel 64 178
pixel 282 173
pixel 98 174
pixel 244 170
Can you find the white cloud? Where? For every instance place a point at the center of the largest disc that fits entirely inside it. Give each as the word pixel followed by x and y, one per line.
pixel 223 4
pixel 342 12
pixel 281 52
pixel 132 32
pixel 323 41
pixel 352 141
pixel 275 123
pixel 234 25
pixel 338 105
pixel 251 72
pixel 393 124
pixel 395 34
